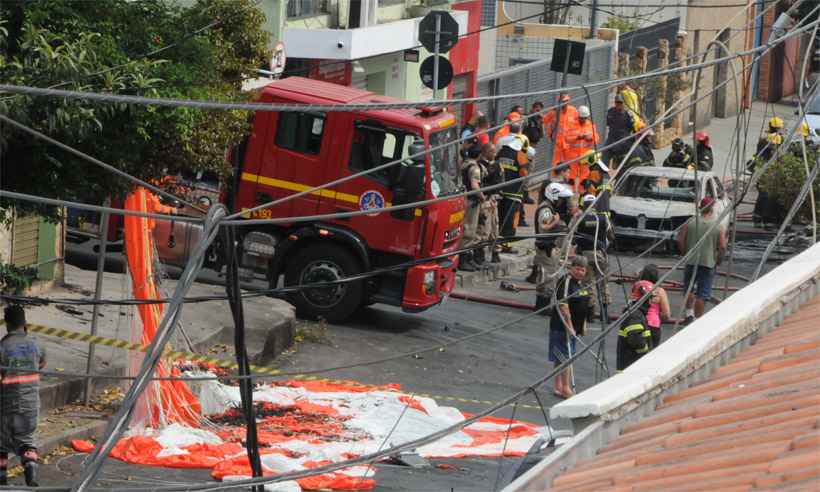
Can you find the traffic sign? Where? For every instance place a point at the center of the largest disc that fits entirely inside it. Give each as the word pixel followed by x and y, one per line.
pixel 448 33
pixel 564 48
pixel 445 72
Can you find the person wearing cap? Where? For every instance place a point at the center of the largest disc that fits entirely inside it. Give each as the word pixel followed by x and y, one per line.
pixel 704 158
pixel 553 127
pixel 488 218
pixel 504 131
pixel 700 266
pixel 19 395
pixel 472 174
pixel 620 125
pixel 569 318
pixel 592 240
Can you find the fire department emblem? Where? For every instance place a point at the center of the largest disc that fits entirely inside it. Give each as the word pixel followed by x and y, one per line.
pixel 371 200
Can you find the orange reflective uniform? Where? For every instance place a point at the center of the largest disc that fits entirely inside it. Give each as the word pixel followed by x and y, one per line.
pixel 568 113
pixel 502 132
pixel 577 140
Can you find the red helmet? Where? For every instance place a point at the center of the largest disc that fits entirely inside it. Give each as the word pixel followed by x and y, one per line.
pixel 702 137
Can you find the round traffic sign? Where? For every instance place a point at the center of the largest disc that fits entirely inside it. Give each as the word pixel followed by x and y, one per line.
pixel 448 32
pixel 445 72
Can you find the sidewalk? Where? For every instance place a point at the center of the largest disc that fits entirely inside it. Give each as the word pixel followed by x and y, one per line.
pixel 268 321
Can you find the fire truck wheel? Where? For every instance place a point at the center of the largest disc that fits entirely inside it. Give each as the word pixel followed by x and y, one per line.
pixel 325 263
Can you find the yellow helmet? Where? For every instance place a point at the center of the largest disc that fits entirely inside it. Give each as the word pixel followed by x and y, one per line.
pixel 804 129
pixel 591 158
pixel 775 122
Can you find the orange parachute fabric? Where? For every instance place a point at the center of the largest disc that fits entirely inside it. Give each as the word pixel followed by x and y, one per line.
pixel 167 401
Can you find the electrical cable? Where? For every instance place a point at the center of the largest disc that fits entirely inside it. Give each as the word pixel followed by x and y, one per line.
pixel 443 432
pixel 492 409
pixel 116 425
pixel 201 104
pixel 765 47
pixel 243 364
pixel 798 202
pixel 84 156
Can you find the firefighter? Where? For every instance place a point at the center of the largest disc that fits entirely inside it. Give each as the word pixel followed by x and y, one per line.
pixel 681 156
pixel 553 129
pixel 19 395
pixel 634 337
pixel 488 218
pixel 764 211
pixel 470 261
pixel 594 236
pixel 512 195
pixel 552 216
pixel 703 152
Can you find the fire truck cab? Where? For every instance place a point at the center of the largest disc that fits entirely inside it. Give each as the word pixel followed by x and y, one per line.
pixel 289 152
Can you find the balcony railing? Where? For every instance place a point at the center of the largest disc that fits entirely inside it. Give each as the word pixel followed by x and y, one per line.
pixel 307 8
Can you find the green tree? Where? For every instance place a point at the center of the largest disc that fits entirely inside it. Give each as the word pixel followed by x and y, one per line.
pixel 783 180
pixel 622 24
pixel 115 46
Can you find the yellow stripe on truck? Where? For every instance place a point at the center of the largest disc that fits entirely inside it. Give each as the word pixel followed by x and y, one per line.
pixel 298 187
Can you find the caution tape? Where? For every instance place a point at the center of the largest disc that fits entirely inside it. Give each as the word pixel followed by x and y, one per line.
pixel 220 363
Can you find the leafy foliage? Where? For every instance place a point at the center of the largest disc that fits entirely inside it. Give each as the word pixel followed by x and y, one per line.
pixel 75 44
pixel 783 180
pixel 15 280
pixel 622 24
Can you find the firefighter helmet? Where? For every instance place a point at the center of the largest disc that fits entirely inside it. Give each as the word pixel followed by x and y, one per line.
pixel 588 199
pixel 556 191
pixel 678 145
pixel 775 122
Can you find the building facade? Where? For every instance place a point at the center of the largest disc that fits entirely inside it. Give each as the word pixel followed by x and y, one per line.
pixel 363 43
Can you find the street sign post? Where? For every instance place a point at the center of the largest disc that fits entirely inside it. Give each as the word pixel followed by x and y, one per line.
pixel 567 57
pixel 436 75
pixel 438 33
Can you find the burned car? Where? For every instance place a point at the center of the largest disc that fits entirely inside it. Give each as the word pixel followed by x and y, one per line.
pixel 651 202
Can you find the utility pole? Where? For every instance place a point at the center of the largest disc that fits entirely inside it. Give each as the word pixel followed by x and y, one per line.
pixel 95 314
pixel 593 20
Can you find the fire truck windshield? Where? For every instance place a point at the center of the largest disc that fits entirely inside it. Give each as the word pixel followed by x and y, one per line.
pixel 444 163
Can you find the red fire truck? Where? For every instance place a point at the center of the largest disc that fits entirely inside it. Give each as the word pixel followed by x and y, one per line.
pixel 293 151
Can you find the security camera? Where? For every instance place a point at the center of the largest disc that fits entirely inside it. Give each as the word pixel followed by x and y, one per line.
pixel 340 45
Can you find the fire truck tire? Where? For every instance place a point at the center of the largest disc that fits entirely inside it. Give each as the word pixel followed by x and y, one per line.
pixel 324 262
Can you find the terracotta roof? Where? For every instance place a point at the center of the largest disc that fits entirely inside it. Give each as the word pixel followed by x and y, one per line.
pixel 754 424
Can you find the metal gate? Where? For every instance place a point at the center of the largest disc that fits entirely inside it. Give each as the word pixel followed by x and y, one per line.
pixel 536 76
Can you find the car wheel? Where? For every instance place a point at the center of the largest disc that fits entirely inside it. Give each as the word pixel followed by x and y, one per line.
pixel 325 263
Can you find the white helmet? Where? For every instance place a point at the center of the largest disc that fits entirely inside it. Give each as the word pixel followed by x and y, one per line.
pixel 587 199
pixel 511 141
pixel 583 112
pixel 557 190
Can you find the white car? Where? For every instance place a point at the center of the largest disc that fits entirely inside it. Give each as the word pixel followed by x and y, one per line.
pixel 813 118
pixel 652 202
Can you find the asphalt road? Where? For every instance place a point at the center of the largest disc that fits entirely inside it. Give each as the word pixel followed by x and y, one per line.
pixel 486 368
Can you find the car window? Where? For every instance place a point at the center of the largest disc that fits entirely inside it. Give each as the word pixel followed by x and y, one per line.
pixel 658 188
pixel 300 132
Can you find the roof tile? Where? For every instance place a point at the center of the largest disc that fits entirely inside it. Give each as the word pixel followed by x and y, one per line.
pixel 753 425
